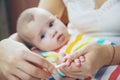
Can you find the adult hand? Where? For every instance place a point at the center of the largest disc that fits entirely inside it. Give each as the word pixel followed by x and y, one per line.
pixel 17 62
pixel 95 55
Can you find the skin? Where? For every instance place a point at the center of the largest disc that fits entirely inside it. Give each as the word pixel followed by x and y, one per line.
pixel 47 32
pixel 46 29
pixel 56 7
pixel 95 55
pixel 35 67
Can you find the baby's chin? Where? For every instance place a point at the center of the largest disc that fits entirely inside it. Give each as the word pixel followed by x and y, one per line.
pixel 56 46
pixel 63 44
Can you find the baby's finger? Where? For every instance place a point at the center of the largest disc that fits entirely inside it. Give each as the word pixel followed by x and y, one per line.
pixel 68 58
pixel 77 62
pixel 82 58
pixel 68 61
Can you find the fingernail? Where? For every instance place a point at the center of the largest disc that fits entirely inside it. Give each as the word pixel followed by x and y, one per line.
pixel 82 59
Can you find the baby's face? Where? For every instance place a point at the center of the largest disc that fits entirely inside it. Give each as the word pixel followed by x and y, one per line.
pixel 49 32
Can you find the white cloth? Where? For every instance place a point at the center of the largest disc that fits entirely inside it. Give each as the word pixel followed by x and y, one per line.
pixel 103 22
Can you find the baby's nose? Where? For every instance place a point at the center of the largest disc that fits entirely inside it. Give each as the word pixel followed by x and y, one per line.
pixel 52 33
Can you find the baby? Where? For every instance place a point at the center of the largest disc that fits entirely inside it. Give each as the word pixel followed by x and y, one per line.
pixel 45 33
pixel 41 30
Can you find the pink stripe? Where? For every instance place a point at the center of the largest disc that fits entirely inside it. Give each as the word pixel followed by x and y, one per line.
pixel 115 73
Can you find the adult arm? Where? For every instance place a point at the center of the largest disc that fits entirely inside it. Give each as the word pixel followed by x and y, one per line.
pixel 56 7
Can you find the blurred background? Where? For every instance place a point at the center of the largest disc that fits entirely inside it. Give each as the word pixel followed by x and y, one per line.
pixel 9 12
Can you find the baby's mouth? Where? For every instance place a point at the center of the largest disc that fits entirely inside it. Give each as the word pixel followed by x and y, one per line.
pixel 60 38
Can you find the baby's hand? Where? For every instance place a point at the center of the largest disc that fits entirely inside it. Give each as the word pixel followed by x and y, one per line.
pixel 67 63
pixel 78 60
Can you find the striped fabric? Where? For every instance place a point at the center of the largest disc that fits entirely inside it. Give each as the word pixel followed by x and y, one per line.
pixel 75 44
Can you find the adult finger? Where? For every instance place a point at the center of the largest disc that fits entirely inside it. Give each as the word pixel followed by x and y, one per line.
pixel 12 77
pixel 22 75
pixel 78 74
pixel 39 61
pixel 73 71
pixel 32 70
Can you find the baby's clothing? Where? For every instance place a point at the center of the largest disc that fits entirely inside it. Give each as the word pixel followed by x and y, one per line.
pixel 76 42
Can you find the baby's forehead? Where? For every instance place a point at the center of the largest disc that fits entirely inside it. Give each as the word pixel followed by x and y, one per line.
pixel 43 18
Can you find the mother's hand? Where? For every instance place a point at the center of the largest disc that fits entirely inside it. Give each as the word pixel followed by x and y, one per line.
pixel 95 55
pixel 17 62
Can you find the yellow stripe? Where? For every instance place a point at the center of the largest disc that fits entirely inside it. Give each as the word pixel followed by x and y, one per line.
pixel 83 44
pixel 52 55
pixel 69 48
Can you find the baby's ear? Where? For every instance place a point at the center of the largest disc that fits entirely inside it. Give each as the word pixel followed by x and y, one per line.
pixel 36 50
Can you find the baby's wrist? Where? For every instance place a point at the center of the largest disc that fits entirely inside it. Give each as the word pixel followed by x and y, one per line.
pixel 58 75
pixel 60 72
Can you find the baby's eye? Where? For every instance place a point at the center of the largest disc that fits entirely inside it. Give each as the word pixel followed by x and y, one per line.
pixel 42 36
pixel 51 24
